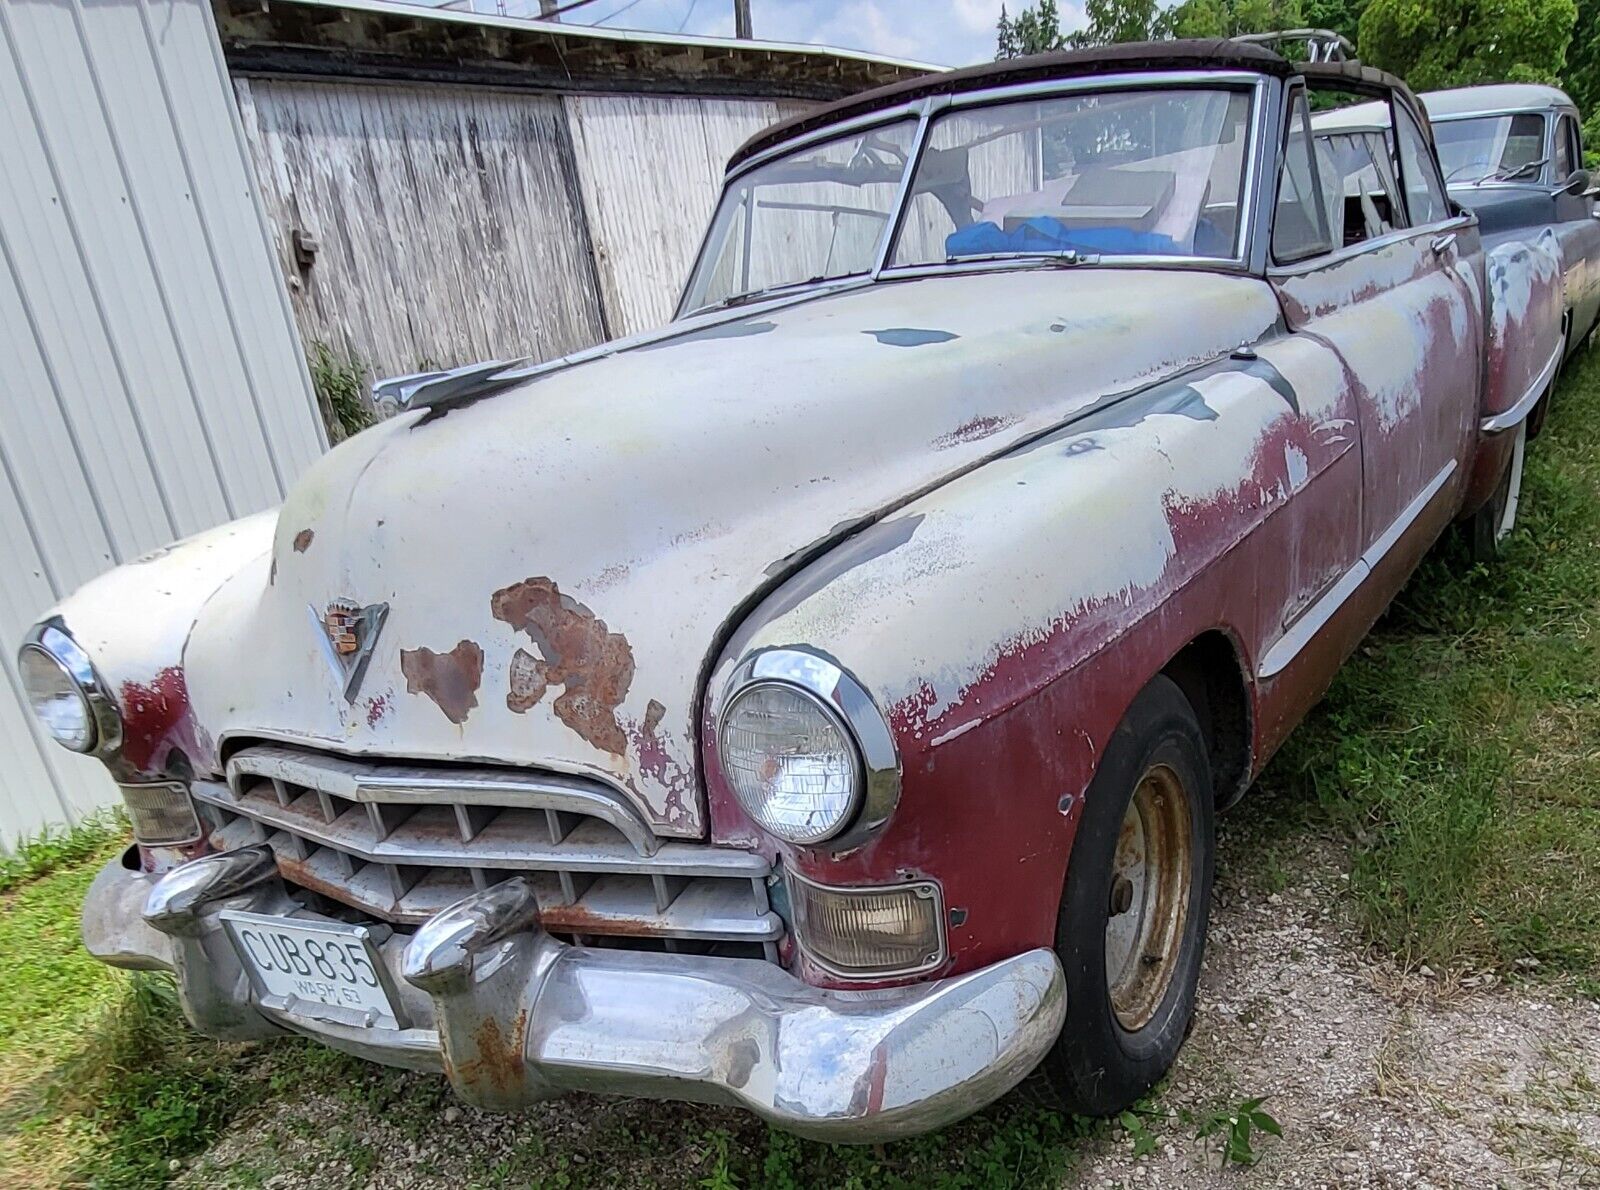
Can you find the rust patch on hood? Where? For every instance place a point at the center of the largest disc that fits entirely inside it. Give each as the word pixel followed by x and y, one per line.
pixel 450 679
pixel 303 539
pixel 577 651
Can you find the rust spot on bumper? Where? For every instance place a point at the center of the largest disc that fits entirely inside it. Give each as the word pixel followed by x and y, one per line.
pixel 577 651
pixel 499 1062
pixel 450 679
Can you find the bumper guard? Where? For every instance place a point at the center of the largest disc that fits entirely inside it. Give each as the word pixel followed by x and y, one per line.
pixel 512 1016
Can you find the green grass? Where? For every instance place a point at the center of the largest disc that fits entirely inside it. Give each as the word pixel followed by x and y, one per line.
pixel 1455 758
pixel 1457 751
pixel 52 849
pixel 100 1079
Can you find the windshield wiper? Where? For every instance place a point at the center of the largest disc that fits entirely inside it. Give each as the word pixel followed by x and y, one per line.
pixel 1505 175
pixel 755 295
pixel 1066 259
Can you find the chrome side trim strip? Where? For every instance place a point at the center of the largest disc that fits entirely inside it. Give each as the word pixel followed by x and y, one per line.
pixel 1300 633
pixel 1510 418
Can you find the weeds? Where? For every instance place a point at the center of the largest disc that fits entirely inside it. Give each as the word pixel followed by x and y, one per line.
pixel 341 387
pixel 54 848
pixel 1237 1126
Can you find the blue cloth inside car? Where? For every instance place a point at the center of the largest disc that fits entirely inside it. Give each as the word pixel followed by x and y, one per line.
pixel 1043 234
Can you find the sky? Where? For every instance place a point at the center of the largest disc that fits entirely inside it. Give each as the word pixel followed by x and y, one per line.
pixel 947 32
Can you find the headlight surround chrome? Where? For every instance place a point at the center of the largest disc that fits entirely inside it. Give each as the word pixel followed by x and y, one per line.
pixel 796 679
pixel 65 693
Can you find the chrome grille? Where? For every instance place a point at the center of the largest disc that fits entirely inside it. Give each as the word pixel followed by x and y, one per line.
pixel 400 842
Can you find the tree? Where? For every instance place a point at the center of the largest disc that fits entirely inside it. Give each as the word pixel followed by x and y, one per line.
pixel 1583 58
pixel 1342 16
pixel 1111 21
pixel 1038 30
pixel 1034 31
pixel 1229 18
pixel 1457 43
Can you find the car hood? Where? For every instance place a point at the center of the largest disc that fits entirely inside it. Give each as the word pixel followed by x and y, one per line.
pixel 560 561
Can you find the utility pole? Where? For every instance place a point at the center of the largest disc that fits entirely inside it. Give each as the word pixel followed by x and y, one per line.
pixel 741 20
pixel 547 10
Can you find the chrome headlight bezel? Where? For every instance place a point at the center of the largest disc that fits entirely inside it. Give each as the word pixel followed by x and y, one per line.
pixel 846 702
pixel 51 639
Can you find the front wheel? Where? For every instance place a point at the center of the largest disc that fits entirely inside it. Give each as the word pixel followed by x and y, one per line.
pixel 1492 524
pixel 1133 918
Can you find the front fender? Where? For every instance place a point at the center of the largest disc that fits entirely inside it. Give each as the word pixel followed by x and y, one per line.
pixel 1526 307
pixel 1005 621
pixel 134 623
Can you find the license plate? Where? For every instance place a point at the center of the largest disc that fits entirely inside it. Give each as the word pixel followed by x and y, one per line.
pixel 325 970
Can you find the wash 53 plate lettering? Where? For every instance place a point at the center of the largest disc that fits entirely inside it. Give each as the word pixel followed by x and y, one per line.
pixel 323 970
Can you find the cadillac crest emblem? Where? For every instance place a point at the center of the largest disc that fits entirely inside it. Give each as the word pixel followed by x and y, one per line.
pixel 348 632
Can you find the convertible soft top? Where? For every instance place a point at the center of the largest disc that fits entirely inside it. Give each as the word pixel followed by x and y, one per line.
pixel 1208 54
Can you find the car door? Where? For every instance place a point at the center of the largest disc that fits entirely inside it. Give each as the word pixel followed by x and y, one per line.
pixel 1575 226
pixel 1311 544
pixel 1401 311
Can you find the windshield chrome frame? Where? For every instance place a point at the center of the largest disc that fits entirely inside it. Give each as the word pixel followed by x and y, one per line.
pixel 925 110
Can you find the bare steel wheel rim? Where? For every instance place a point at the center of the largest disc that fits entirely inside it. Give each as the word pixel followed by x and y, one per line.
pixel 1148 901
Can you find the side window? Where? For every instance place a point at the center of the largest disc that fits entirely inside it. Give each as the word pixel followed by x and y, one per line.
pixel 1420 173
pixel 1299 220
pixel 1569 149
pixel 1364 197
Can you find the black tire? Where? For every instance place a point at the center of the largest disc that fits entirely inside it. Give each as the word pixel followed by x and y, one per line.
pixel 1540 411
pixel 1492 524
pixel 1107 1056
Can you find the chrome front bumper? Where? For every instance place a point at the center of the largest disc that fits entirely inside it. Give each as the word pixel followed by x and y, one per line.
pixel 512 1016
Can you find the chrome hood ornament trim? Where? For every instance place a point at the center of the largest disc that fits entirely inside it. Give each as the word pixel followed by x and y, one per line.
pixel 348 633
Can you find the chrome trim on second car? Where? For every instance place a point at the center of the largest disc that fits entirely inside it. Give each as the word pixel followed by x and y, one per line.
pixel 1511 418
pixel 826 679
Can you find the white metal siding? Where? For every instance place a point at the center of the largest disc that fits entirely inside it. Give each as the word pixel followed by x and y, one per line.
pixel 154 381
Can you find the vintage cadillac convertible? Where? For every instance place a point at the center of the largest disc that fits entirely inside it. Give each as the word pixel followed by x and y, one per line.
pixel 822 704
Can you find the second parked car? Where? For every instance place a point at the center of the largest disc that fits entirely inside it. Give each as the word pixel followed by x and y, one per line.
pixel 1513 155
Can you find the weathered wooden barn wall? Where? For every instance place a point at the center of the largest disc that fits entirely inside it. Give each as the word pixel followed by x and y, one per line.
pixel 448 222
pixel 460 223
pixel 650 169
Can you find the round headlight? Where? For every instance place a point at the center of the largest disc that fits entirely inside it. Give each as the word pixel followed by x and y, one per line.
pixel 59 702
pixel 791 762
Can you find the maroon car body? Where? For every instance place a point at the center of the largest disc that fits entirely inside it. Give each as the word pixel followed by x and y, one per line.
pixel 821 704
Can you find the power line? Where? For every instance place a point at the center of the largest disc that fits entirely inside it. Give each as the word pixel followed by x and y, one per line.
pixel 555 12
pixel 683 24
pixel 617 13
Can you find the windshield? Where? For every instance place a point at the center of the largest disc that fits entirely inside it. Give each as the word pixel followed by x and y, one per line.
pixel 1145 172
pixel 1487 147
pixel 1150 173
pixel 817 214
